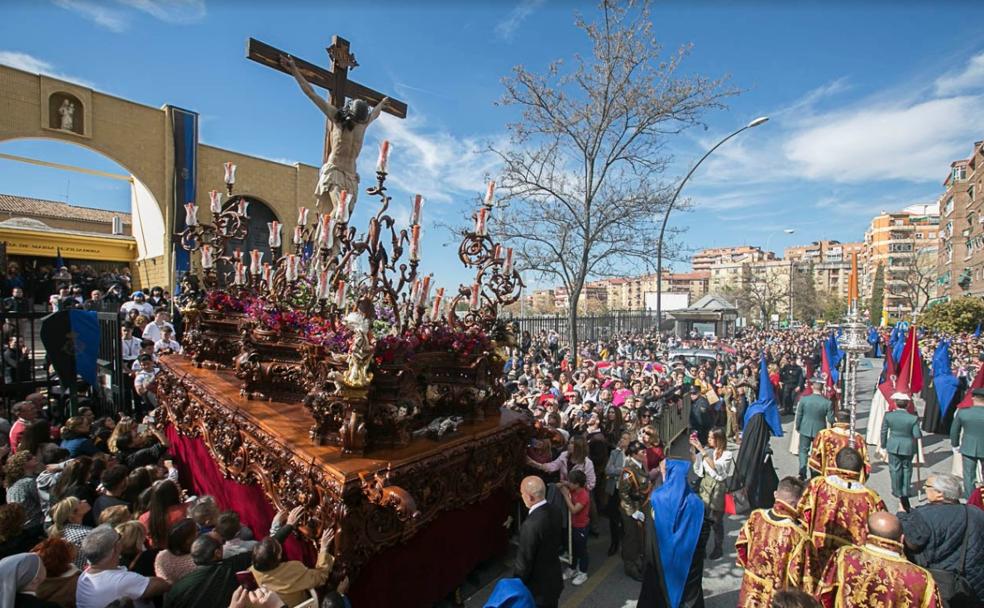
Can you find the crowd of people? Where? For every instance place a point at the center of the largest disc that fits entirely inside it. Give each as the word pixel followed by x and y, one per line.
pixel 94 516
pixel 818 536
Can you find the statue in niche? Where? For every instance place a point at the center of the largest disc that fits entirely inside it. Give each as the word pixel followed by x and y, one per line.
pixel 67 114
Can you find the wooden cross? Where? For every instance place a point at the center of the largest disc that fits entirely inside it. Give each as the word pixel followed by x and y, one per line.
pixel 335 78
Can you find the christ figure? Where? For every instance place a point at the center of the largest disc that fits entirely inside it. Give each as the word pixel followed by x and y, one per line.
pixel 347 130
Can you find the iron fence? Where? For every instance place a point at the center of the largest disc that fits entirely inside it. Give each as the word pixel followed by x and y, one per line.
pixel 590 326
pixel 25 367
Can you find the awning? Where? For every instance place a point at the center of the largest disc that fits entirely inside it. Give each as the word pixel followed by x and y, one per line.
pixel 73 245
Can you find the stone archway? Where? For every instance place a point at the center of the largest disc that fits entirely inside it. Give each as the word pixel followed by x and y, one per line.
pixel 159 147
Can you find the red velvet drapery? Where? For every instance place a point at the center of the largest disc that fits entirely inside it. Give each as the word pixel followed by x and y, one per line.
pixel 417 573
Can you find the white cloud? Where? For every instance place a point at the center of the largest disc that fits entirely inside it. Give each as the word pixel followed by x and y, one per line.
pixel 35 65
pixel 117 18
pixel 968 79
pixel 101 15
pixel 506 28
pixel 170 11
pixel 909 133
pixel 438 165
pixel 910 142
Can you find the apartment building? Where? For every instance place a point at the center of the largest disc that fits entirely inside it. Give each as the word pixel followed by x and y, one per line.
pixel 705 258
pixel 961 244
pixel 902 243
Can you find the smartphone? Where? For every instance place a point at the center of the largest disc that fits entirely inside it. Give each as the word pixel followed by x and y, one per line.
pixel 141 428
pixel 246 580
pixel 693 436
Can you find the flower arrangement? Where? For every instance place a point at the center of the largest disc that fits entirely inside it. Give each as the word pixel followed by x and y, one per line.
pixel 221 301
pixel 390 347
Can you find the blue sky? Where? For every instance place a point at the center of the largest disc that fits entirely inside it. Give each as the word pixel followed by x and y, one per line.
pixel 869 101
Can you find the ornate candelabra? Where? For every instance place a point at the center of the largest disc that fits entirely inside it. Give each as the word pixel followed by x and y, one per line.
pixel 853 342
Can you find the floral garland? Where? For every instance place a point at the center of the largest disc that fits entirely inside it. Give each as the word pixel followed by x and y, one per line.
pixel 390 348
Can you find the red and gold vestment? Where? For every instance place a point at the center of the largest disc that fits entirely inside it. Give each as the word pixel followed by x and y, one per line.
pixel 835 510
pixel 828 442
pixel 876 575
pixel 771 548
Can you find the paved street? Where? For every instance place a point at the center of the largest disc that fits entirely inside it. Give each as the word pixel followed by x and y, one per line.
pixel 608 587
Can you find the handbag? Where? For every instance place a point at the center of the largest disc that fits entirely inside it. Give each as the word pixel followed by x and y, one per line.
pixel 711 491
pixel 954 588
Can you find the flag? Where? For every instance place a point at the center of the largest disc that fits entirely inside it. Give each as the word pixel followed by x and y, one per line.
pixel 886 384
pixel 59 262
pixel 977 332
pixel 71 339
pixel 910 380
pixel 978 382
pixel 831 355
pixel 944 381
pixel 766 402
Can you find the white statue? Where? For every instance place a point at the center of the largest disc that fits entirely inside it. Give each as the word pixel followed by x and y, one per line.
pixel 346 133
pixel 67 113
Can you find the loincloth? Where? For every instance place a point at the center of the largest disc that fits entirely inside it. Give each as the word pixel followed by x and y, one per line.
pixel 332 176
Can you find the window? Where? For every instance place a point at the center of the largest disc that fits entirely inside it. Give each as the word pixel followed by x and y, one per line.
pixel 899 222
pixel 948 206
pixel 959 173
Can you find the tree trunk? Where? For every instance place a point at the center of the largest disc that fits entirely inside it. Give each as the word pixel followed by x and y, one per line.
pixel 572 329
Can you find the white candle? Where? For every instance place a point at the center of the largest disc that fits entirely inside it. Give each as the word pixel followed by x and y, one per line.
pixel 480 222
pixel 240 269
pixel 215 201
pixel 302 216
pixel 340 295
pixel 298 235
pixel 267 275
pixel 490 194
pixel 415 292
pixel 291 267
pixel 507 266
pixel 418 203
pixel 191 214
pixel 230 174
pixel 324 289
pixel 243 207
pixel 207 260
pixel 237 254
pixel 425 288
pixel 274 228
pixel 342 212
pixel 255 261
pixel 383 159
pixel 474 296
pixel 415 243
pixel 436 311
pixel 326 231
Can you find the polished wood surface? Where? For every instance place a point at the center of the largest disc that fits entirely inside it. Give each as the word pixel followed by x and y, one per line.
pixel 290 421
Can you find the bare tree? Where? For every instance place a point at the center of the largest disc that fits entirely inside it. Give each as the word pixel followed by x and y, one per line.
pixel 758 295
pixel 583 170
pixel 913 278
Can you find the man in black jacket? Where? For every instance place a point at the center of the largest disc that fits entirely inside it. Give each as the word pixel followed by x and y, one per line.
pixel 538 558
pixel 935 533
pixel 791 377
pixel 701 414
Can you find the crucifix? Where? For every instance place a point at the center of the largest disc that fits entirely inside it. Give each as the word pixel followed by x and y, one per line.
pixel 346 112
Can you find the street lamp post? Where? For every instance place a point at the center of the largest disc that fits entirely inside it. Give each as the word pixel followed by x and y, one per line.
pixel 666 216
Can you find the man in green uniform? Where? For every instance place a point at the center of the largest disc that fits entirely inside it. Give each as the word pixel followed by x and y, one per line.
pixel 971 447
pixel 899 434
pixel 813 414
pixel 633 492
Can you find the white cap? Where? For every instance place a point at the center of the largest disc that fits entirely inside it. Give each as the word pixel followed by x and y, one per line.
pixel 901 397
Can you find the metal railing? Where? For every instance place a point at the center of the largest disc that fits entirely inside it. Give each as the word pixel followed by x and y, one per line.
pixel 25 368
